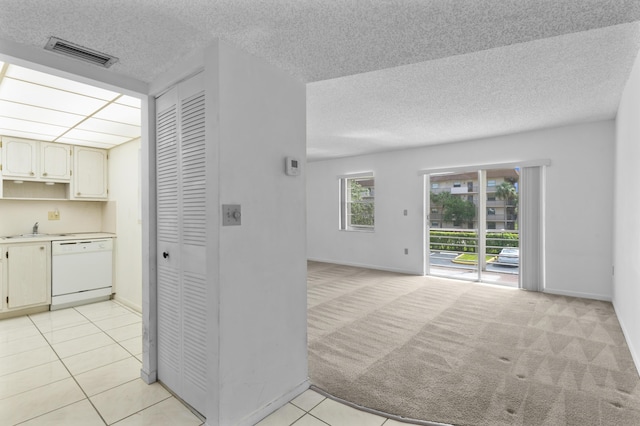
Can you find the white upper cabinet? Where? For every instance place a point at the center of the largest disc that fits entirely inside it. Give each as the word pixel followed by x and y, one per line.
pixel 89 174
pixel 55 162
pixel 24 159
pixel 19 158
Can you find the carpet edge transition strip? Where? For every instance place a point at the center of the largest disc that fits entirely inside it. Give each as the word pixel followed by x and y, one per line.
pixel 376 412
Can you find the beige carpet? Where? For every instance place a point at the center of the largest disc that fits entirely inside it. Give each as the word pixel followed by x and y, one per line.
pixel 467 354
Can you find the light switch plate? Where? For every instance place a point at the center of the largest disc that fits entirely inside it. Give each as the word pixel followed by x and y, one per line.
pixel 231 215
pixel 54 215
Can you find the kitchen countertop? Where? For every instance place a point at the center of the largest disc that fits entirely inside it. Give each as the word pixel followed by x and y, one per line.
pixel 56 237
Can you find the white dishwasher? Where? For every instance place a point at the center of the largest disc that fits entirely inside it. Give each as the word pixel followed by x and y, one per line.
pixel 81 271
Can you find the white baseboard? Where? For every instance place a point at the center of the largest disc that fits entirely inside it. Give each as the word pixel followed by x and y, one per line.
pixel 635 355
pixel 127 303
pixel 603 297
pixel 272 406
pixel 367 266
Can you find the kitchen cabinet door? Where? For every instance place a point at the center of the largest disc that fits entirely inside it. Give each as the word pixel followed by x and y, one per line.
pixel 19 158
pixel 55 162
pixel 89 175
pixel 28 274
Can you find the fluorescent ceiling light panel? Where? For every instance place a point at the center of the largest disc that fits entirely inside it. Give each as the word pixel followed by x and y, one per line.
pixel 71 141
pixel 53 81
pixel 110 127
pixel 31 126
pixel 26 135
pixel 33 113
pixel 94 137
pixel 120 113
pixel 129 101
pixel 33 94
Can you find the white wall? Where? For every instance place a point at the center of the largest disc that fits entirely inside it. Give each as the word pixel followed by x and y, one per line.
pixel 263 353
pixel 124 207
pixel 626 281
pixel 18 216
pixel 578 204
pixel 256 272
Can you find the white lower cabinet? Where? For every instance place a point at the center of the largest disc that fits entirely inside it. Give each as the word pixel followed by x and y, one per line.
pixel 26 272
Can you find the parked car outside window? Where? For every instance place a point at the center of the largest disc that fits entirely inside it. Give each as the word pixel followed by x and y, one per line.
pixel 509 256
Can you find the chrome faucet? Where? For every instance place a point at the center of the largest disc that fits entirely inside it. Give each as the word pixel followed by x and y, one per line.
pixel 35 228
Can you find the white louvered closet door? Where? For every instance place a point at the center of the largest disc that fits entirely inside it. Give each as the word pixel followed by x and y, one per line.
pixel 181 234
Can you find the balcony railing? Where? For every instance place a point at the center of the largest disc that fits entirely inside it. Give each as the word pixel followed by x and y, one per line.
pixel 466 240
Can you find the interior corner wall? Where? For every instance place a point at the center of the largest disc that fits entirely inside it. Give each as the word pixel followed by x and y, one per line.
pixel 125 195
pixel 626 236
pixel 262 277
pixel 578 208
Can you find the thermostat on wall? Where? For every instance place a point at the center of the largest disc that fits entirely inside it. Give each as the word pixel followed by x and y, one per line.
pixel 292 166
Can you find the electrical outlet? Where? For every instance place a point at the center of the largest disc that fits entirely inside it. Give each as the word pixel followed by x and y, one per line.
pixel 54 215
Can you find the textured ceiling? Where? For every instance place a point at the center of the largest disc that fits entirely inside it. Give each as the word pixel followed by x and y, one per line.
pixel 447 45
pixel 544 83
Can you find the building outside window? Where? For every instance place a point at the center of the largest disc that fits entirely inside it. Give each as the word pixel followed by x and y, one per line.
pixel 357 203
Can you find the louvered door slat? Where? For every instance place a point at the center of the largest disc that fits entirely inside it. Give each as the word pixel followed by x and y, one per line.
pixel 193 170
pixel 181 217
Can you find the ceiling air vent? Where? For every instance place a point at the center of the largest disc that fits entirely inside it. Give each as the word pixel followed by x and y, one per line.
pixel 92 56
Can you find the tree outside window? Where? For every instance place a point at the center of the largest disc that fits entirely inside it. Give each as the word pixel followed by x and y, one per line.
pixel 357 203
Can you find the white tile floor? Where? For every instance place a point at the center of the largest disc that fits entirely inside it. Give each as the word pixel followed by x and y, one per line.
pixel 81 366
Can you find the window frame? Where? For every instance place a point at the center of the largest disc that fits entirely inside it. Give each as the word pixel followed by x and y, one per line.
pixel 345 202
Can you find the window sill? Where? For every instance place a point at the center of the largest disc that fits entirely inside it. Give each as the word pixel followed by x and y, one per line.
pixel 366 230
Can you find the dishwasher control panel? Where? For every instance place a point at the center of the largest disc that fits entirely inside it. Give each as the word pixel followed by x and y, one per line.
pixel 81 246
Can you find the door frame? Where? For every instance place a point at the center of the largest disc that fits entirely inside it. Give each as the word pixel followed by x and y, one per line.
pixel 426 225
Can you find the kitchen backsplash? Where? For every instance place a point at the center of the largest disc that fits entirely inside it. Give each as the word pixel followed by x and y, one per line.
pixel 18 217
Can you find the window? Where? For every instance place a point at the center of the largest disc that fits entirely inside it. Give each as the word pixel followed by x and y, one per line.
pixel 435 185
pixel 491 183
pixel 357 207
pixel 435 224
pixel 491 211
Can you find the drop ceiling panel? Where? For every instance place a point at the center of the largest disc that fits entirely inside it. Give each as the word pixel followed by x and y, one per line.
pixel 31 126
pixel 71 141
pixel 26 135
pixel 35 105
pixel 46 97
pixel 43 115
pixel 120 113
pixel 52 81
pixel 129 101
pixel 110 127
pixel 88 136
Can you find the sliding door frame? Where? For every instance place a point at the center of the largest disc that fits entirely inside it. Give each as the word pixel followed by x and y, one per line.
pixel 533 254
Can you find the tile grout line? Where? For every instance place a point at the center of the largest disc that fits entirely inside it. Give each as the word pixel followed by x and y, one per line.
pixel 49 344
pixel 72 376
pixel 130 354
pixel 107 333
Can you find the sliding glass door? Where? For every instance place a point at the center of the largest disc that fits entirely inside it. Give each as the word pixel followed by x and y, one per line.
pixel 472 225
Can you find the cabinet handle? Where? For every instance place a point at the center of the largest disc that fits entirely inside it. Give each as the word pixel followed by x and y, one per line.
pixel 31 173
pixel 77 193
pixel 41 248
pixel 165 254
pixel 44 174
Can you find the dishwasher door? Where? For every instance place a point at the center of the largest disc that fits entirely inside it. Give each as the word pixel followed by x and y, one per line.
pixel 80 266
